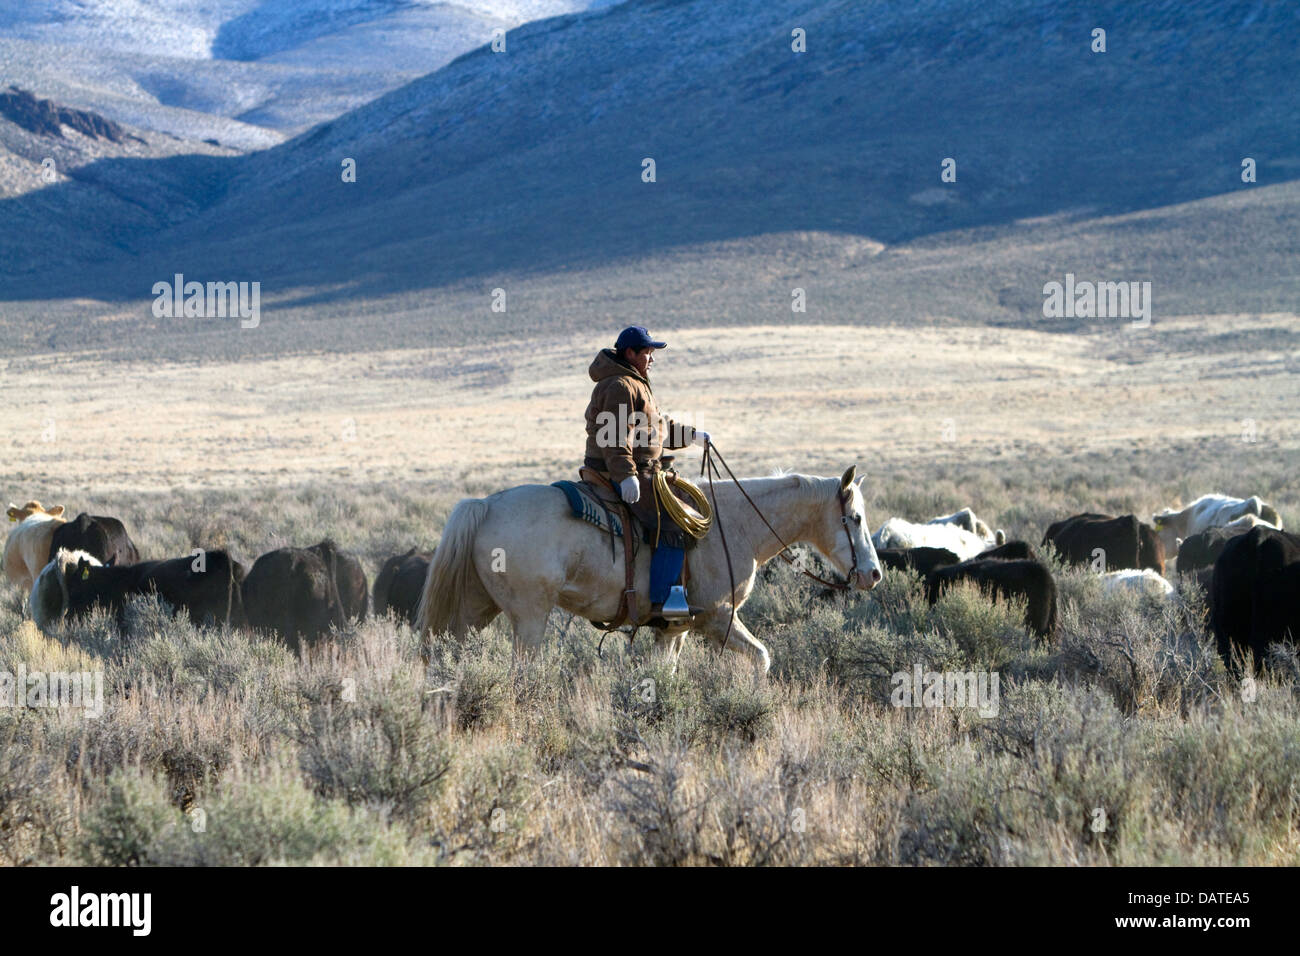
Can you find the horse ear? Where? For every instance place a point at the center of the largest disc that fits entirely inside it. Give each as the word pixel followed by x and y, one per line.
pixel 847 478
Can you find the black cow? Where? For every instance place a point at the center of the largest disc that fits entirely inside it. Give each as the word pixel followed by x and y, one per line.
pixel 1205 581
pixel 1003 578
pixel 349 578
pixel 1255 593
pixel 1203 548
pixel 921 560
pixel 207 587
pixel 98 535
pixel 1011 551
pixel 400 583
pixel 293 592
pixel 1127 542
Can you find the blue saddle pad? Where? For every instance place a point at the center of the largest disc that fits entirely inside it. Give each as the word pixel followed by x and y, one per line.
pixel 584 504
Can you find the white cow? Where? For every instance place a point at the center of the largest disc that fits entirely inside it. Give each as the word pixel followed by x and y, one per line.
pixel 1145 580
pixel 1251 521
pixel 899 533
pixel 27 549
pixel 1209 511
pixel 49 597
pixel 966 520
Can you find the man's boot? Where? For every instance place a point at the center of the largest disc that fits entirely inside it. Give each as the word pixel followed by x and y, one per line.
pixel 672 610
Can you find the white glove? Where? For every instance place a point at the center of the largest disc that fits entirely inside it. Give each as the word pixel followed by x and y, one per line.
pixel 630 489
pixel 701 438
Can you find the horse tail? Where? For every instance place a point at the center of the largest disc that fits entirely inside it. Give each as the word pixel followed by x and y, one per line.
pixel 454 598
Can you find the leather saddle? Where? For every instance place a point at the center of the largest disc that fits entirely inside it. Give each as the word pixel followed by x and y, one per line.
pixel 596 500
pixel 621 523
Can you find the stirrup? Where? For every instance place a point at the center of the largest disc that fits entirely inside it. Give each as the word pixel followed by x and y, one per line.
pixel 676 608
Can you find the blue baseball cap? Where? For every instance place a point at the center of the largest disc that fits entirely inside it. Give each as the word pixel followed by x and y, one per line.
pixel 636 337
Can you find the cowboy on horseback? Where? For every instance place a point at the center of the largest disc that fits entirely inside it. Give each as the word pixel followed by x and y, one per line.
pixel 556 561
pixel 626 437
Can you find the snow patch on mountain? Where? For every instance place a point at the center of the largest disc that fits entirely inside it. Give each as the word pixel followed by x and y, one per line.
pixel 251 29
pixel 243 72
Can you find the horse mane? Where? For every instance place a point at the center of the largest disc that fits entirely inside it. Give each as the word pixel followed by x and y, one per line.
pixel 802 482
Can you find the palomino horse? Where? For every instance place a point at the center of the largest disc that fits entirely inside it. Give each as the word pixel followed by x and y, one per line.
pixel 521 551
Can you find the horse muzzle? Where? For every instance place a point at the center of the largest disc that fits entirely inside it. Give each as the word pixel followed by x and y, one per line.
pixel 865 580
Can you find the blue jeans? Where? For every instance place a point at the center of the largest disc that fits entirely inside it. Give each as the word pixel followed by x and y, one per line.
pixel 665 568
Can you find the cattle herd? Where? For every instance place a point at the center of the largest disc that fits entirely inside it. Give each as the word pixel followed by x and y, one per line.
pixel 1234 548
pixel 69 567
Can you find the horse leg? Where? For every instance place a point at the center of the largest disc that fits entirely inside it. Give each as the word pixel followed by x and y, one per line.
pixel 529 625
pixel 526 599
pixel 669 644
pixel 741 639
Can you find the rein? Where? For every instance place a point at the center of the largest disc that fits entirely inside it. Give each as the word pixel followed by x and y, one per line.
pixel 706 462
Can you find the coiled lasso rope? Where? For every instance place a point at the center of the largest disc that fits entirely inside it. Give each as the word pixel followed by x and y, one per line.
pixel 696 525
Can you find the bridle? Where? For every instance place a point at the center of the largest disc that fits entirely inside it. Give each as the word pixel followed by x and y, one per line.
pixel 710 453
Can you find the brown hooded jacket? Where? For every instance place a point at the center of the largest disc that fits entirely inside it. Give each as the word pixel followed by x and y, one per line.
pixel 625 428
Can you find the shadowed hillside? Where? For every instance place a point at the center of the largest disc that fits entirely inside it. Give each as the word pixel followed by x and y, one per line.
pixel 532 159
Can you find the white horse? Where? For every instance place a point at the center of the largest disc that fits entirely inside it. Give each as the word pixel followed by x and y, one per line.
pixel 521 551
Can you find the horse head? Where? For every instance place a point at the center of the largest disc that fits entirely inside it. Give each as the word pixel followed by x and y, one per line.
pixel 843 535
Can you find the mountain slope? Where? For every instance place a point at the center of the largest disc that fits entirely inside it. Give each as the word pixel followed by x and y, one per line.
pixel 531 160
pixel 196 78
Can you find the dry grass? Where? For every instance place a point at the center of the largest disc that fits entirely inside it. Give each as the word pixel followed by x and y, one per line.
pixel 577 757
pixel 812 397
pixel 357 754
